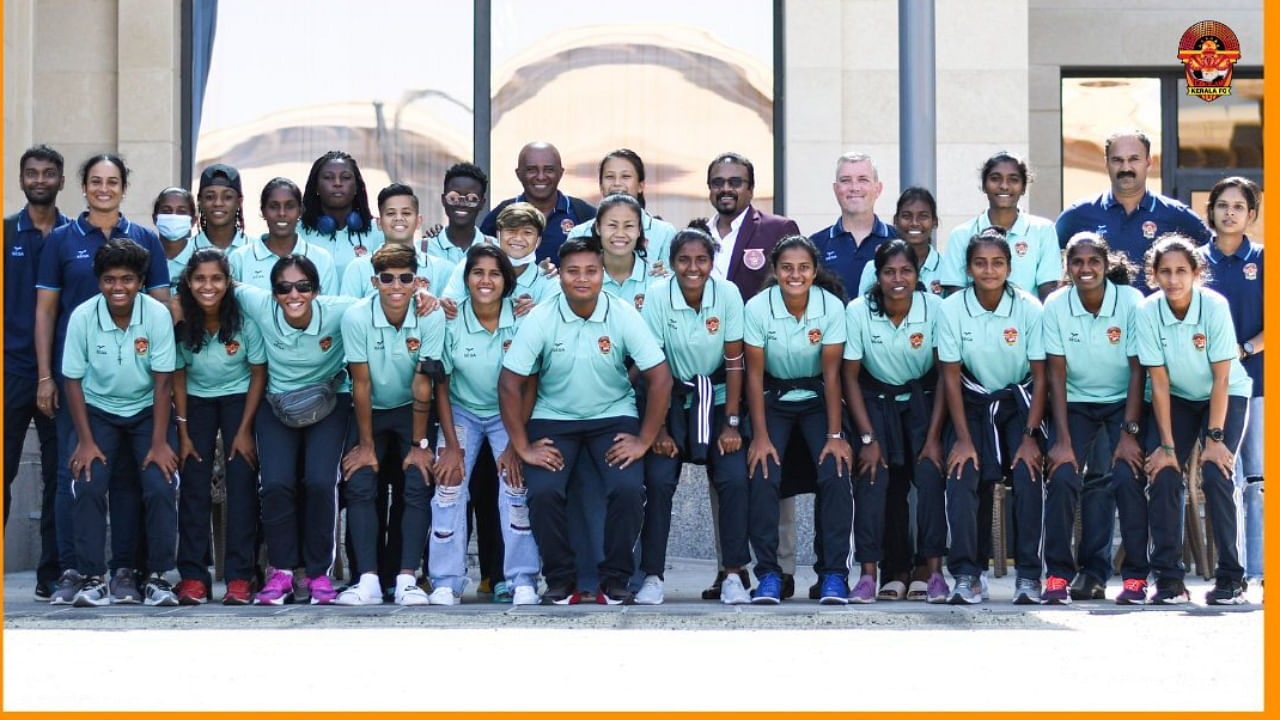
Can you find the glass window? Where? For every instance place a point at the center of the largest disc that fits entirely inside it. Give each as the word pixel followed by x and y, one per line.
pixel 1092 108
pixel 391 84
pixel 1225 133
pixel 674 81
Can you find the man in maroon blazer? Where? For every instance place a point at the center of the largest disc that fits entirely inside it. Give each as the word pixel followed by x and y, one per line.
pixel 746 235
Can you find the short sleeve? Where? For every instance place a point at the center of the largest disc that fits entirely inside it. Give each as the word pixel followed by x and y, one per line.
pixel 868 278
pixel 653 315
pixel 642 346
pixel 1220 329
pixel 49 270
pixel 255 303
pixel 438 272
pixel 158 268
pixel 948 333
pixel 163 350
pixel 251 336
pixel 753 328
pixel 446 352
pixel 853 329
pixel 951 270
pixel 1150 349
pixel 1049 264
pixel 354 280
pixel 1065 227
pixel 1131 322
pixel 236 261
pixel 455 289
pixel 328 276
pixel 526 348
pixel 1051 327
pixel 354 327
pixel 732 319
pixel 75 353
pixel 431 333
pixel 1035 329
pixel 833 326
pixel 1192 225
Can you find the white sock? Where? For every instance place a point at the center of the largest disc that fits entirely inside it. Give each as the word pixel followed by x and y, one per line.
pixel 404 581
pixel 370 580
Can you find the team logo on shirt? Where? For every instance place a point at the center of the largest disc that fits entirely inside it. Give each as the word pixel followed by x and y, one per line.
pixel 1251 271
pixel 326 342
pixel 1011 336
pixel 1020 247
pixel 935 287
pixel 639 301
pixel 605 345
pixel 506 344
pixel 141 345
pixel 566 225
pixel 413 344
pixel 16 251
pixel 361 251
pixel 1149 230
pixel 917 340
pixel 232 347
pixel 815 336
pixel 753 258
pixel 1113 335
pixel 713 325
pixel 1198 340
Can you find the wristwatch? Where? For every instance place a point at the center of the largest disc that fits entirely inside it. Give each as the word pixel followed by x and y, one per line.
pixel 835 436
pixel 733 421
pixel 1132 428
pixel 1247 347
pixel 1216 434
pixel 424 444
pixel 1031 431
pixel 867 438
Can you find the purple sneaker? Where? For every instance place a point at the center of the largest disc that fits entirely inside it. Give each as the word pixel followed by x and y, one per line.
pixel 938 591
pixel 278 589
pixel 322 592
pixel 864 592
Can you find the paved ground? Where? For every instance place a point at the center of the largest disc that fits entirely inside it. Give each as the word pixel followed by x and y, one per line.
pixel 995 656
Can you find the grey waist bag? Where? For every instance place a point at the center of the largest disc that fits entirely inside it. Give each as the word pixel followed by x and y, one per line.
pixel 307 405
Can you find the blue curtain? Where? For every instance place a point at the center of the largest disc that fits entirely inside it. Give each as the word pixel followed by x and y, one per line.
pixel 204 25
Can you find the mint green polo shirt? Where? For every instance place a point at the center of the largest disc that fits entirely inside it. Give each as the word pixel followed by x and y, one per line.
pixel 793 348
pixel 1097 349
pixel 581 375
pixel 1033 245
pixel 996 347
pixel 344 246
pixel 531 282
pixel 251 264
pixel 356 280
pixel 658 235
pixel 633 288
pixel 473 357
pixel 392 354
pixel 298 357
pixel 893 355
pixel 178 264
pixel 1188 347
pixel 222 369
pixel 928 274
pixel 440 247
pixel 694 340
pixel 114 366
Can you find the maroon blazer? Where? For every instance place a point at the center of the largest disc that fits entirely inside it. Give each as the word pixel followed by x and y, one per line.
pixel 759 232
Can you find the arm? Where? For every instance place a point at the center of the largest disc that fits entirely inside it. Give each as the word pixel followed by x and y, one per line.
pixel 1256 341
pixel 734 367
pixel 628 448
pixel 417 456
pixel 1029 449
pixel 1166 456
pixel 46 318
pixel 511 403
pixel 962 452
pixel 450 466
pixel 1214 451
pixel 761 447
pixel 1061 453
pixel 160 453
pixel 932 450
pixel 363 453
pixel 870 457
pixel 837 447
pixel 1127 449
pixel 86 450
pixel 186 449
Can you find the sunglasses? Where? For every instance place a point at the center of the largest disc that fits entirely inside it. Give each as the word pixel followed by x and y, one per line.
pixel 733 182
pixel 284 288
pixel 387 278
pixel 469 200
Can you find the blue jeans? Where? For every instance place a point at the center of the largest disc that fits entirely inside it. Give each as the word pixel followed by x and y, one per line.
pixel 1249 479
pixel 447 562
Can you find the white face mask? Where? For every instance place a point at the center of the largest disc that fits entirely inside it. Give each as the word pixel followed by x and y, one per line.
pixel 173 227
pixel 526 260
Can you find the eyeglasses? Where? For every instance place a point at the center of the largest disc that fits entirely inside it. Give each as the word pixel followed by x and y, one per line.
pixel 469 200
pixel 284 287
pixel 389 278
pixel 733 182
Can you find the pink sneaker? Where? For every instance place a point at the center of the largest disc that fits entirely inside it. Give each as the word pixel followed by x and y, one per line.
pixel 322 592
pixel 278 589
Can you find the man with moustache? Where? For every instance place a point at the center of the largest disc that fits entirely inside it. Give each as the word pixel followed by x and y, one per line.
pixel 539 170
pixel 41 179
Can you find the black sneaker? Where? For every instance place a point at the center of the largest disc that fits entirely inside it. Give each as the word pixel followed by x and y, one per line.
pixel 159 592
pixel 124 587
pixel 612 592
pixel 94 593
pixel 1226 592
pixel 789 583
pixel 789 586
pixel 1170 592
pixel 561 593
pixel 44 590
pixel 1086 587
pixel 68 585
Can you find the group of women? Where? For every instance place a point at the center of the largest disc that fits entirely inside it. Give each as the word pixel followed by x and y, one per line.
pixel 898 388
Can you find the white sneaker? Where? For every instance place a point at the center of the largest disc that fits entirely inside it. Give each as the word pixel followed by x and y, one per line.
pixel 366 592
pixel 443 596
pixel 732 592
pixel 982 582
pixel 525 595
pixel 651 591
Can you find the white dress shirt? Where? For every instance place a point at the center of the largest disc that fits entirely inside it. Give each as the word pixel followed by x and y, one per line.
pixel 724 257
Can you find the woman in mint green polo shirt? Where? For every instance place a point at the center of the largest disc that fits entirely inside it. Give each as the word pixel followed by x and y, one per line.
pixel 890 389
pixel 219 384
pixel 1199 394
pixel 335 211
pixel 1096 381
pixel 915 219
pixel 476 341
pixel 281 206
pixel 302 332
pixel 991 350
pixel 619 228
pixel 174 213
pixel 622 172
pixel 520 227
pixel 794 332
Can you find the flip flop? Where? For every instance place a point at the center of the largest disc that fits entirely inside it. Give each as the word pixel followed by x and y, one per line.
pixel 918 590
pixel 892 590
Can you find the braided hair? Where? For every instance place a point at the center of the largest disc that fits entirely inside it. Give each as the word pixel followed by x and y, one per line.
pixel 311 210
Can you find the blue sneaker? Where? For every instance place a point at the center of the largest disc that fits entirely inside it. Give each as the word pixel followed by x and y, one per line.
pixel 835 591
pixel 769 591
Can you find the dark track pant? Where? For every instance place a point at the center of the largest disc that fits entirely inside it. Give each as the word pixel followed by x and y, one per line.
pixel 394 426
pixel 1094 429
pixel 19 411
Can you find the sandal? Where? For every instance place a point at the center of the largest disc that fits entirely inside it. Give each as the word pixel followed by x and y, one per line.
pixel 892 590
pixel 918 590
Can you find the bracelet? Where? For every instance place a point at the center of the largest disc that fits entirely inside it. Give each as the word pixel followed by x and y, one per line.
pixel 739 356
pixel 1167 448
pixel 46 377
pixel 179 418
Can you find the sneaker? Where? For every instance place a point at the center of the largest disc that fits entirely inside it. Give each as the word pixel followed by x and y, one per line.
pixel 1134 593
pixel 788 586
pixel 525 595
pixel 366 592
pixel 769 591
pixel 1226 592
pixel 651 591
pixel 191 592
pixel 277 590
pixel 1170 592
pixel 44 590
pixel 1056 591
pixel 93 593
pixel 835 590
pixel 964 593
pixel 159 592
pixel 237 593
pixel 561 593
pixel 982 582
pixel 616 593
pixel 1026 591
pixel 322 592
pixel 1086 587
pixel 937 591
pixel 301 587
pixel 68 585
pixel 864 591
pixel 713 591
pixel 443 596
pixel 502 592
pixel 732 591
pixel 815 590
pixel 124 587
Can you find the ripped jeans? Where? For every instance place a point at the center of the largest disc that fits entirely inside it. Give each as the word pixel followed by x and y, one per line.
pixel 448 557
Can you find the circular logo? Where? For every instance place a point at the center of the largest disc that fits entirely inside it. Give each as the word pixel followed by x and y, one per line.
pixel 141 345
pixel 753 258
pixel 1011 336
pixel 713 325
pixel 815 336
pixel 232 347
pixel 917 340
pixel 1199 340
pixel 326 342
pixel 1113 335
pixel 605 345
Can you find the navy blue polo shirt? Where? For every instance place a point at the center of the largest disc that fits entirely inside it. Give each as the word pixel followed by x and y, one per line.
pixel 1238 278
pixel 66 265
pixel 1134 232
pixel 569 213
pixel 21 258
pixel 838 253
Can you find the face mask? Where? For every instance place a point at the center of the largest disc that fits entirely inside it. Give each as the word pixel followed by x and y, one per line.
pixel 173 227
pixel 526 260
